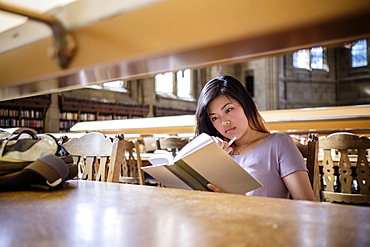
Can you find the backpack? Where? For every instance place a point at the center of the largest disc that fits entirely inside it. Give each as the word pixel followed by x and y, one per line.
pixel 29 160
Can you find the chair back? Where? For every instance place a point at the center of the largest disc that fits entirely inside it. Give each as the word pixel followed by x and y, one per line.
pixel 102 159
pixel 173 143
pixel 131 171
pixel 94 154
pixel 346 175
pixel 91 153
pixel 309 151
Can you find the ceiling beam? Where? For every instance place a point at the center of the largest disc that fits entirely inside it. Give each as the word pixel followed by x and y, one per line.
pixel 178 34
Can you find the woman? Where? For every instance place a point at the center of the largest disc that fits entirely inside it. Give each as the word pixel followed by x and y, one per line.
pixel 227 112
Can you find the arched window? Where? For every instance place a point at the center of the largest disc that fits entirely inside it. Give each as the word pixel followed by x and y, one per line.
pixel 177 84
pixel 183 83
pixel 164 83
pixel 359 54
pixel 317 57
pixel 309 58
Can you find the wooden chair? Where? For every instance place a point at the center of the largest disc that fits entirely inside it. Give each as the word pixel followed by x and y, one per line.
pixel 309 151
pixel 92 153
pixel 131 171
pixel 347 178
pixel 101 159
pixel 173 143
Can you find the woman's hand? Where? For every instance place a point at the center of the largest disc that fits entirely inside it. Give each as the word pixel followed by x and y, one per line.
pixel 223 144
pixel 214 188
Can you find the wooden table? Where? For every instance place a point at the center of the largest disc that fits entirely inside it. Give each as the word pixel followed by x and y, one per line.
pixel 87 213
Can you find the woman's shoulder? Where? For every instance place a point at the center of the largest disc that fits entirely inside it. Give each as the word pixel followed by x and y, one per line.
pixel 279 136
pixel 283 141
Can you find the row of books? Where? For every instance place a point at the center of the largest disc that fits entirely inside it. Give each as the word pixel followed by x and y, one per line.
pixel 10 122
pixel 32 123
pixel 22 113
pixel 9 112
pixel 32 114
pixel 66 124
pixel 89 116
pixel 68 115
pixel 105 117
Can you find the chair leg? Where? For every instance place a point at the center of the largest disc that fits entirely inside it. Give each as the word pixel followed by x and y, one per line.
pixel 139 164
pixel 118 151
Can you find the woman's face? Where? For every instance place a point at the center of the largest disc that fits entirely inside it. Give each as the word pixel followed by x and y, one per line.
pixel 228 117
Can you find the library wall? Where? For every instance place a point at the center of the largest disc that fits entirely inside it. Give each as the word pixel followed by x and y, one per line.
pixel 273 81
pixel 265 74
pixel 339 84
pixel 354 83
pixel 159 103
pixel 300 88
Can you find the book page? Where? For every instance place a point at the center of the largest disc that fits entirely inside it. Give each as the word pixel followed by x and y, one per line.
pixel 194 145
pixel 161 158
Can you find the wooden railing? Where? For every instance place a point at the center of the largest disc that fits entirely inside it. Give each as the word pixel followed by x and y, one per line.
pixel 323 120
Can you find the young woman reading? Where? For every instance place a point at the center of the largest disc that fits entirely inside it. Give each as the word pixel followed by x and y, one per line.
pixel 228 113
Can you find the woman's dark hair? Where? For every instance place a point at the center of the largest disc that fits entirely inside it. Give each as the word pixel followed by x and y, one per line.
pixel 232 89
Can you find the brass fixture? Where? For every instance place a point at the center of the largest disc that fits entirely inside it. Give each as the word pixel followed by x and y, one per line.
pixel 64 47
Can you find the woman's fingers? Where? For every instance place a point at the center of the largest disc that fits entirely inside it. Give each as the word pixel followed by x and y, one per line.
pixel 214 188
pixel 222 144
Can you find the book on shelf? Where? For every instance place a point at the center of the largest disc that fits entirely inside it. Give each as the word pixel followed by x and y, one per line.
pixel 198 163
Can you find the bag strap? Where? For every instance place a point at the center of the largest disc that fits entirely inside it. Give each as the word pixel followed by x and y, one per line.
pixel 52 168
pixel 26 131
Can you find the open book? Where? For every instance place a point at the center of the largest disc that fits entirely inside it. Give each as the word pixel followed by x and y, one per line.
pixel 198 163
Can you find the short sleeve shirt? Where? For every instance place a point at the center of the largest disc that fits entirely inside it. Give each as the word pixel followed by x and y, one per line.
pixel 272 160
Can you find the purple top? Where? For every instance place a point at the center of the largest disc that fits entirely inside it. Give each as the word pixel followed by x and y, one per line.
pixel 272 160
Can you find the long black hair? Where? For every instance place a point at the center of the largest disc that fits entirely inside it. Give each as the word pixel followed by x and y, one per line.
pixel 233 89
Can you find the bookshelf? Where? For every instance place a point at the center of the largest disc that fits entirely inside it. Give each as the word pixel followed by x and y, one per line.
pixel 30 112
pixel 74 110
pixel 165 111
pixel 26 112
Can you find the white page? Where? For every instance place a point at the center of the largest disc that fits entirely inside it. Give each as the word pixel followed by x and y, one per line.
pixel 195 144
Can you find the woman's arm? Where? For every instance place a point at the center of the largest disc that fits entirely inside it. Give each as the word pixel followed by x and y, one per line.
pixel 299 186
pixel 297 183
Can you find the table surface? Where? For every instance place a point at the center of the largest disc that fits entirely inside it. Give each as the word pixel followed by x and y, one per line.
pixel 89 213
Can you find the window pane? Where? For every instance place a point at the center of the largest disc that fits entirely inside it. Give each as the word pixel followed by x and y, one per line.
pixel 183 83
pixel 317 58
pixel 301 59
pixel 359 54
pixel 164 83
